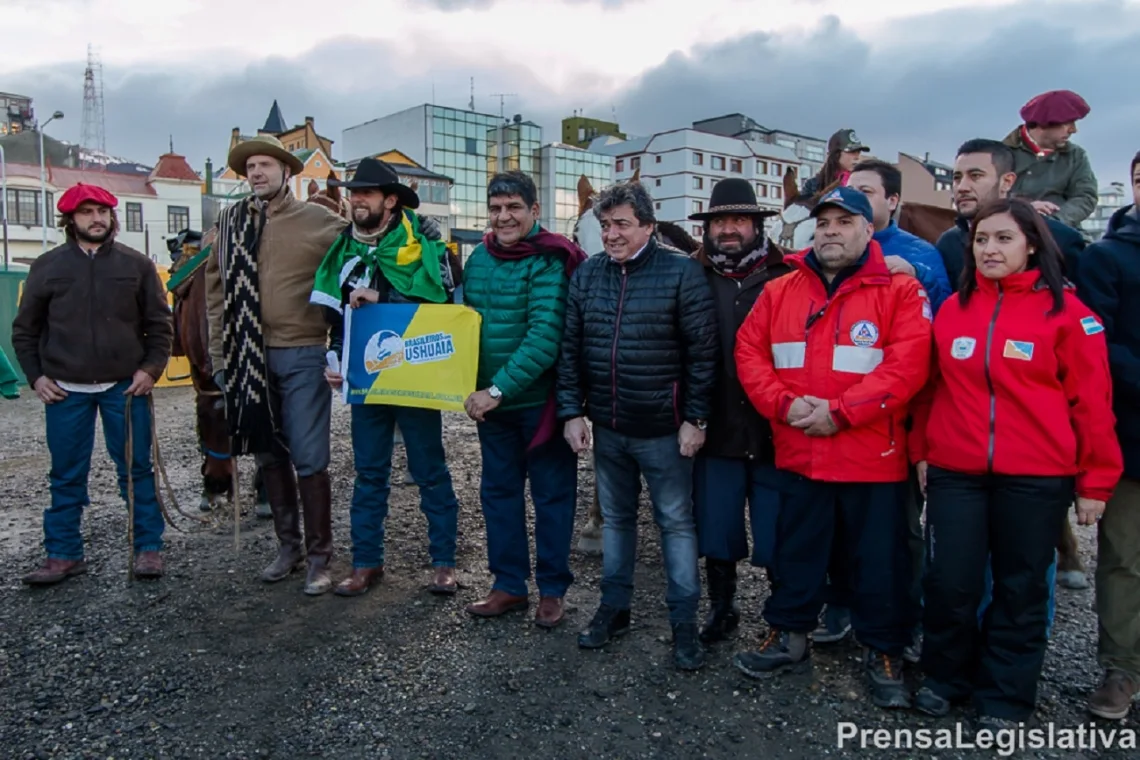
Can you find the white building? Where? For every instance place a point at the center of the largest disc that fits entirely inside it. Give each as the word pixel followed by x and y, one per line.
pixel 812 151
pixel 151 207
pixel 1113 197
pixel 680 167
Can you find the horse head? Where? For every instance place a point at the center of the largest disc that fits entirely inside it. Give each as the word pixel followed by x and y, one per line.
pixel 330 197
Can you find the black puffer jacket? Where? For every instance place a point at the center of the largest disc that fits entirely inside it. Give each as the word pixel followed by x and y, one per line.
pixel 736 429
pixel 640 346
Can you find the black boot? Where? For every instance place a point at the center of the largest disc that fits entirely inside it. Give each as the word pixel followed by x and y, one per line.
pixel 687 651
pixel 608 623
pixel 724 614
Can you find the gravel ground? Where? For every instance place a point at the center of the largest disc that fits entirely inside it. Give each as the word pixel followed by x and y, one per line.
pixel 211 663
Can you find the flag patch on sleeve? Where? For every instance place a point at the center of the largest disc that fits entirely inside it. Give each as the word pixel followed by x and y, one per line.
pixel 1091 326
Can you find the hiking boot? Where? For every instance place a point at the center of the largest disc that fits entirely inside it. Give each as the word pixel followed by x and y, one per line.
pixel 835 627
pixel 782 652
pixel 1114 698
pixel 724 614
pixel 926 701
pixel 608 623
pixel 885 679
pixel 55 570
pixel 688 654
pixel 148 565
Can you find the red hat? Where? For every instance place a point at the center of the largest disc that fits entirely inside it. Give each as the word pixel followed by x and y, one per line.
pixel 1055 107
pixel 82 193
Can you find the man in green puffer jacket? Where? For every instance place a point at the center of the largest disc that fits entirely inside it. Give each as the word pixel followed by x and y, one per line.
pixel 517 279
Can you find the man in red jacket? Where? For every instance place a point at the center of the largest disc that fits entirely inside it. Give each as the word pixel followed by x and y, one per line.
pixel 832 354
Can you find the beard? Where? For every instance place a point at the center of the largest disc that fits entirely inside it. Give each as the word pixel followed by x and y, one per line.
pixel 368 223
pixel 93 237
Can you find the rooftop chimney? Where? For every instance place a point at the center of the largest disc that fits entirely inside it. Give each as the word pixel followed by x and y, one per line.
pixel 209 177
pixel 309 120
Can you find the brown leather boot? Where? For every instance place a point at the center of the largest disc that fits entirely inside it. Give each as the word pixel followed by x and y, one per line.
pixel 443 582
pixel 281 490
pixel 550 612
pixel 54 571
pixel 148 565
pixel 316 503
pixel 497 603
pixel 1114 698
pixel 362 579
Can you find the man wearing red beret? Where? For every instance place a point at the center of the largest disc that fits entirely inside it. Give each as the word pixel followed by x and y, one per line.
pixel 1051 171
pixel 92 330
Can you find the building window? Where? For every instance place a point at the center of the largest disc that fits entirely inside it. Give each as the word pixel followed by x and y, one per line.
pixel 469 146
pixel 657 206
pixel 698 207
pixel 177 219
pixel 657 159
pixel 776 169
pixel 735 166
pixel 135 217
pixel 657 183
pixel 761 190
pixel 698 230
pixel 698 183
pixel 777 192
pixel 23 207
pixel 635 163
pixel 620 165
pixel 698 159
pixel 761 167
pixel 718 163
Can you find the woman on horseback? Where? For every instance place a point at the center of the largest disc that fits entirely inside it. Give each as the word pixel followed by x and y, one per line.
pixel 843 151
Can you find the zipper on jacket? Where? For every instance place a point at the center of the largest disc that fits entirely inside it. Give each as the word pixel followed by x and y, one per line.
pixel 990 382
pixel 613 350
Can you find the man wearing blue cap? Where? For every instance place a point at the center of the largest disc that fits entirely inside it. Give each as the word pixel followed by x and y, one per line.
pixel 831 354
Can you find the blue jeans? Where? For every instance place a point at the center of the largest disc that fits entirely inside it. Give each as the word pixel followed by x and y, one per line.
pixel 723 490
pixel 71 440
pixel 552 469
pixel 620 461
pixel 373 431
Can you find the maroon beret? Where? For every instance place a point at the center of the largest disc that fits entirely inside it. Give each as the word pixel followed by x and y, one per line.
pixel 1055 107
pixel 82 193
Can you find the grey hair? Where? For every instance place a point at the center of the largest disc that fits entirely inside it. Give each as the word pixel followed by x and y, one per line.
pixel 633 194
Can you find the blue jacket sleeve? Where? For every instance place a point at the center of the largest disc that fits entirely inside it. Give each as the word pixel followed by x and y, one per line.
pixel 931 270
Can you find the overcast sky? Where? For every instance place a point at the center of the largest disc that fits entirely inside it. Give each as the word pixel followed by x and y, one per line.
pixel 911 75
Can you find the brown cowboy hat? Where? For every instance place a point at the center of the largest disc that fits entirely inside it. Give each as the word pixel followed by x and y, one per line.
pixel 262 145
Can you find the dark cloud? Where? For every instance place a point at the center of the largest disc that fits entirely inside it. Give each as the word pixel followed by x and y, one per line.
pixel 938 80
pixel 935 81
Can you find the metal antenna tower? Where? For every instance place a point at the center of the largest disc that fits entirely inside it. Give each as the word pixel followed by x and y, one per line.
pixel 502 96
pixel 94 137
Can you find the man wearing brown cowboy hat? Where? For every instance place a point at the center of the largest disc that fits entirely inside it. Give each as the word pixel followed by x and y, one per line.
pixel 735 470
pixel 267 347
pixel 389 255
pixel 1051 171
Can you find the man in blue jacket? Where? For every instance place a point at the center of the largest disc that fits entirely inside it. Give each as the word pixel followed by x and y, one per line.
pixel 1110 274
pixel 882 184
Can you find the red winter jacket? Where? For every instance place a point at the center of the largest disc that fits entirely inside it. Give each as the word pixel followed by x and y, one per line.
pixel 1015 391
pixel 866 349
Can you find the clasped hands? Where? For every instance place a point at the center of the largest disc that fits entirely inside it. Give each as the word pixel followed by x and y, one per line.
pixel 813 416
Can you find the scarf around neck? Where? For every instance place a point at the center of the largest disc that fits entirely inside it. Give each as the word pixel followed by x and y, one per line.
pixel 409 261
pixel 538 241
pixel 738 263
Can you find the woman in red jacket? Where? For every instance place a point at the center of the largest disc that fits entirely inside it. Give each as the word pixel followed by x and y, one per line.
pixel 1016 419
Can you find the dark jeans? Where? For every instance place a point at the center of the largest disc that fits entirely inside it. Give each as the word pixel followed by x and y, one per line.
pixel 302 402
pixel 620 461
pixel 869 519
pixel 1016 523
pixel 723 490
pixel 373 432
pixel 71 440
pixel 552 469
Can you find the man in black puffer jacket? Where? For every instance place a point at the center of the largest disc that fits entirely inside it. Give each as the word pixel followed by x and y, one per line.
pixel 639 358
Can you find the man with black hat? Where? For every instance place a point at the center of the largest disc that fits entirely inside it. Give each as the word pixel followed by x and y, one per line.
pixel 736 467
pixel 844 150
pixel 832 354
pixel 267 348
pixel 387 256
pixel 1052 172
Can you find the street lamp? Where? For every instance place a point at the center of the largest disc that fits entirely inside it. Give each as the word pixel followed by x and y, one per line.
pixel 43 179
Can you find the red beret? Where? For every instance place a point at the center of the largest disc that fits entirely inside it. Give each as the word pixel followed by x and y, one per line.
pixel 82 193
pixel 1055 107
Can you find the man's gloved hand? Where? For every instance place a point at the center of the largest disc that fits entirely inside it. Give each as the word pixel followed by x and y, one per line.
pixel 430 227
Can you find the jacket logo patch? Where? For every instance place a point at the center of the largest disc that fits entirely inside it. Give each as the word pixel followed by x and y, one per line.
pixel 963 348
pixel 1091 326
pixel 1018 349
pixel 864 333
pixel 926 312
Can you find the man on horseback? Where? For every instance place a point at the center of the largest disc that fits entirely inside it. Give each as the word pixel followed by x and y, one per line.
pixel 383 227
pixel 92 335
pixel 735 471
pixel 267 344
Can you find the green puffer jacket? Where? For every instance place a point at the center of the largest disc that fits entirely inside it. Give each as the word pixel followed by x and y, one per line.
pixel 1064 177
pixel 523 305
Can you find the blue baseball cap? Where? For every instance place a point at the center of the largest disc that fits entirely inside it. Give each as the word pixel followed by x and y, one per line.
pixel 848 199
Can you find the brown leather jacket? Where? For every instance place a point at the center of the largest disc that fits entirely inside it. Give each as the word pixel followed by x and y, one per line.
pixel 92 319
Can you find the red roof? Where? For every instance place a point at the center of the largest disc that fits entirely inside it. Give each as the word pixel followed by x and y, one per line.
pixel 63 178
pixel 174 166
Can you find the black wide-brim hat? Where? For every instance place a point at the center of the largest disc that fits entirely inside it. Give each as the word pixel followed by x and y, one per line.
pixel 733 196
pixel 372 172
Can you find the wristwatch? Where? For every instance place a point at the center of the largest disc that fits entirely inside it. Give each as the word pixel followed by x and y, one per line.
pixel 494 392
pixel 700 424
